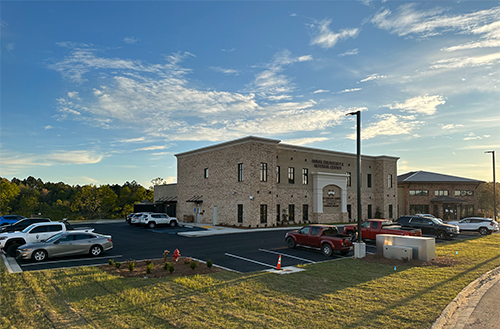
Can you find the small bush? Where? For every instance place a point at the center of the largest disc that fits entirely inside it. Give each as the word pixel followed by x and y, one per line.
pixel 149 268
pixel 131 266
pixel 118 264
pixel 193 265
pixel 111 262
pixel 171 268
pixel 209 263
pixel 166 266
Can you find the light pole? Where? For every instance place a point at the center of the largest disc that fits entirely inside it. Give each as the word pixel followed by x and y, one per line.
pixel 359 248
pixel 494 186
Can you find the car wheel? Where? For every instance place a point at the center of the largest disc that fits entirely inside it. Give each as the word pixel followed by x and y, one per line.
pixel 173 223
pixel 11 251
pixel 483 231
pixel 39 255
pixel 95 250
pixel 326 249
pixel 151 225
pixel 440 235
pixel 290 242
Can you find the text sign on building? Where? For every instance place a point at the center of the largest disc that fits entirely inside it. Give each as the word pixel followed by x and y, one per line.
pixel 325 164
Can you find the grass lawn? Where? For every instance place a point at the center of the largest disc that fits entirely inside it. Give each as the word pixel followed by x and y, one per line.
pixel 348 293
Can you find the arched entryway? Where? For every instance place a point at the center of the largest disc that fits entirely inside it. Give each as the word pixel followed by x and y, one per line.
pixel 329 190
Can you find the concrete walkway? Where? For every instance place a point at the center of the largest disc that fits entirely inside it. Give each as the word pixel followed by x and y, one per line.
pixel 218 230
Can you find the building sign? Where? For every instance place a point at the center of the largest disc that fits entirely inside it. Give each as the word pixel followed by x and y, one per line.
pixel 325 164
pixel 331 200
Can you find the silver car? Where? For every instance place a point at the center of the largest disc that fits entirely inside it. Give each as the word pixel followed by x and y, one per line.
pixel 66 244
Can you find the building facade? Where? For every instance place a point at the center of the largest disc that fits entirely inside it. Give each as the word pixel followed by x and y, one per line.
pixel 444 196
pixel 256 182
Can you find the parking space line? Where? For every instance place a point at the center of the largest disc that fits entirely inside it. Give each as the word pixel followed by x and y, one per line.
pixel 70 260
pixel 250 260
pixel 286 255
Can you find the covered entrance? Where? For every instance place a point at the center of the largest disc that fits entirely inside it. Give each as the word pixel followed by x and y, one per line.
pixel 449 207
pixel 329 197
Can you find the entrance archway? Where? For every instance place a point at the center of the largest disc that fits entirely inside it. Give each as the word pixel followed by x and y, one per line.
pixel 321 180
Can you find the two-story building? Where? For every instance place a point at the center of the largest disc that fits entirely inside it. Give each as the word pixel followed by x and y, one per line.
pixel 256 181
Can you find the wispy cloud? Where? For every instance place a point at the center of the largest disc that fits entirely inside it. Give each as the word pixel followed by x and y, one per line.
pixel 130 40
pixel 152 148
pixel 75 157
pixel 305 141
pixel 469 61
pixel 349 90
pixel 451 126
pixel 350 52
pixel 326 38
pixel 373 77
pixel 225 71
pixel 422 104
pixel 389 125
pixel 473 136
pixel 320 91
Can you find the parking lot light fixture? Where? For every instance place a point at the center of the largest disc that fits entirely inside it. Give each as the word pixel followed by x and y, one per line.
pixel 494 186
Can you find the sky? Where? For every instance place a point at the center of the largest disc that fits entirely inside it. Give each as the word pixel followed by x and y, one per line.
pixel 107 92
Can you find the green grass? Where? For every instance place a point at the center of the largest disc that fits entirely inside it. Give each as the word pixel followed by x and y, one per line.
pixel 349 293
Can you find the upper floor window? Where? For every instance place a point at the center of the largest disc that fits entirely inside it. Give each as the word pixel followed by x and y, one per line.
pixel 291 175
pixel 419 192
pixel 278 174
pixel 464 193
pixel 441 193
pixel 389 180
pixel 305 176
pixel 368 180
pixel 240 172
pixel 263 172
pixel 205 173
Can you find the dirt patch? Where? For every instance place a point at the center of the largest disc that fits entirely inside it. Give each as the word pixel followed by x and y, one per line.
pixel 181 268
pixel 440 261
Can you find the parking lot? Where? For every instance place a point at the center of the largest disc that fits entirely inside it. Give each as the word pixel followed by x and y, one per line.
pixel 248 251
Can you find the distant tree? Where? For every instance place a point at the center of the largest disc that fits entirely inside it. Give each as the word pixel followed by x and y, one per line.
pixel 108 201
pixel 485 198
pixel 87 201
pixel 157 181
pixel 8 191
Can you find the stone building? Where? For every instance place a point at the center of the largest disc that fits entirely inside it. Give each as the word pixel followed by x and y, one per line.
pixel 444 196
pixel 256 181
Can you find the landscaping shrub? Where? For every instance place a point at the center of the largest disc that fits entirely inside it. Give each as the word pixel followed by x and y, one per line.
pixel 193 264
pixel 131 266
pixel 118 264
pixel 149 268
pixel 166 266
pixel 209 263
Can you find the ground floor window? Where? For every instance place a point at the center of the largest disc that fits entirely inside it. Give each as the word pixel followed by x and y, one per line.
pixel 240 213
pixel 263 213
pixel 305 212
pixel 391 215
pixel 291 212
pixel 369 211
pixel 349 212
pixel 419 209
pixel 277 213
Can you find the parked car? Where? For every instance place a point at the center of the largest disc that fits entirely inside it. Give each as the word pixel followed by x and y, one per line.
pixel 477 224
pixel 321 237
pixel 154 219
pixel 430 215
pixel 66 244
pixel 430 226
pixel 129 217
pixel 136 218
pixel 22 224
pixel 371 227
pixel 10 219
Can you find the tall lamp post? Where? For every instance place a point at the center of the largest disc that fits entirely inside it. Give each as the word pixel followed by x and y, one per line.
pixel 360 247
pixel 494 186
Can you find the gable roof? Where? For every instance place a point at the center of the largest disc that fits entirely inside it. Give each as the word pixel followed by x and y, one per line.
pixel 430 177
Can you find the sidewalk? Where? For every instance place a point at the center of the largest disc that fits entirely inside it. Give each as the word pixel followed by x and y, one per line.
pixel 475 307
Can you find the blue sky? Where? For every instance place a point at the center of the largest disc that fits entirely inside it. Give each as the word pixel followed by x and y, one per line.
pixel 107 92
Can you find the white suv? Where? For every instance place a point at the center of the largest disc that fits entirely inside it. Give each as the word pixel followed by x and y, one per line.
pixel 136 218
pixel 151 220
pixel 477 224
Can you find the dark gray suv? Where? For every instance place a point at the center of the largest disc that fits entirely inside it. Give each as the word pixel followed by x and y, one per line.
pixel 430 226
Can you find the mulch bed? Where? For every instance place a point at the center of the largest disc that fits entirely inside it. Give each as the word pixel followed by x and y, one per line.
pixel 440 261
pixel 181 268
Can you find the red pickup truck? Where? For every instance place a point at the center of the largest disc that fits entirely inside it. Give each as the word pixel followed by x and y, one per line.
pixel 371 227
pixel 321 237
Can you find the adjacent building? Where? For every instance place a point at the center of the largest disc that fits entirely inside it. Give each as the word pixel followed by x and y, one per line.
pixel 444 196
pixel 255 182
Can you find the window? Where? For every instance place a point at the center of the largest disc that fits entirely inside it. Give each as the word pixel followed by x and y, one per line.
pixel 291 212
pixel 369 211
pixel 315 230
pixel 368 180
pixel 39 229
pixel 389 180
pixel 419 209
pixel 305 212
pixel 464 193
pixel 277 213
pixel 305 176
pixel 291 175
pixel 240 213
pixel 69 237
pixel 263 172
pixel 467 210
pixel 278 174
pixel 205 173
pixel 349 212
pixel 305 230
pixel 263 213
pixel 391 215
pixel 419 192
pixel 374 225
pixel 441 193
pixel 348 179
pixel 240 172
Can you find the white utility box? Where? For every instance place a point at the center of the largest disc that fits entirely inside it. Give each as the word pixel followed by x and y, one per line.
pixel 398 252
pixel 423 248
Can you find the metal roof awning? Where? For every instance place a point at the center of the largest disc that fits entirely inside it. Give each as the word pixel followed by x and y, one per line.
pixel 446 199
pixel 196 198
pixel 167 199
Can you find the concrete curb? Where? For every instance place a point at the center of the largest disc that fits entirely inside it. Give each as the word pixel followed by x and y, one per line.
pixel 12 266
pixel 456 314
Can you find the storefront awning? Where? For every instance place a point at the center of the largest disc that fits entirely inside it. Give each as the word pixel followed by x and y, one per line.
pixel 446 199
pixel 196 198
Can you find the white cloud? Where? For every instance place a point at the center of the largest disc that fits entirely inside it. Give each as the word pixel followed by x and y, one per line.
pixel 373 77
pixel 422 104
pixel 349 90
pixel 473 136
pixel 326 38
pixel 470 61
pixel 10 46
pixel 48 127
pixel 225 71
pixel 134 140
pixel 74 157
pixel 350 52
pixel 305 141
pixel 73 94
pixel 451 126
pixel 388 125
pixel 320 91
pixel 152 148
pixel 130 40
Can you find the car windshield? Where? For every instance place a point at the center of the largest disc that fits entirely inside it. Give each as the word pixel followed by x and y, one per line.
pixel 28 228
pixel 55 237
pixel 433 220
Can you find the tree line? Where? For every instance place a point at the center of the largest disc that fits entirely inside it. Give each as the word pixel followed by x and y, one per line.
pixel 32 197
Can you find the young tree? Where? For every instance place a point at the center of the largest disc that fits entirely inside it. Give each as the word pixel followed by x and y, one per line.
pixel 8 191
pixel 485 198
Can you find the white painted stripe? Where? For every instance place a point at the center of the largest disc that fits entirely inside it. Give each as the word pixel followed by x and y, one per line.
pixel 290 256
pixel 222 267
pixel 70 260
pixel 250 260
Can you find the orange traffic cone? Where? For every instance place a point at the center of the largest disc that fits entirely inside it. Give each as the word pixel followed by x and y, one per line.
pixel 278 267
